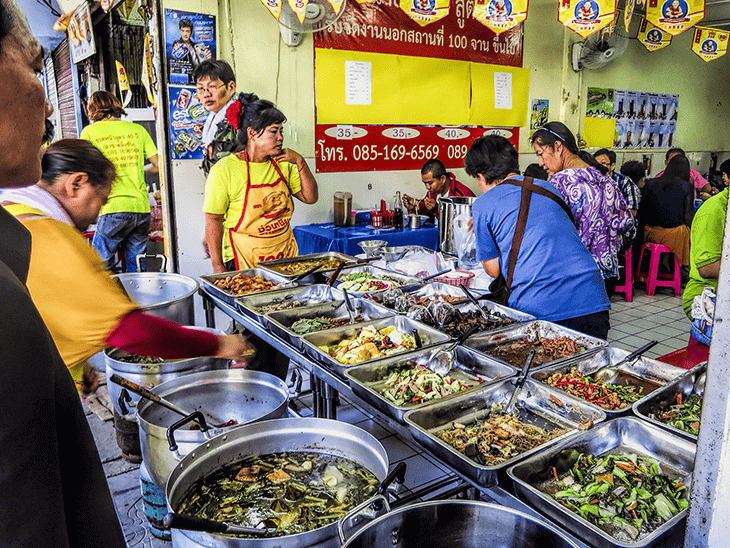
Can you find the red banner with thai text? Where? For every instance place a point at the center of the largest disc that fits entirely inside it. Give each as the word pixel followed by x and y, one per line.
pixel 340 148
pixel 382 27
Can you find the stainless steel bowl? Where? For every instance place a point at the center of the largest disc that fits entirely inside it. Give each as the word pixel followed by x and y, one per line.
pixel 392 253
pixel 370 246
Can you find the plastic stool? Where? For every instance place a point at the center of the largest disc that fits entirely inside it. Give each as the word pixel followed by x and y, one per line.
pixel 628 287
pixel 652 279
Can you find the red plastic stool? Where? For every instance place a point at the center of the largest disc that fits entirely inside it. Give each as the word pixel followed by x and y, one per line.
pixel 653 279
pixel 628 287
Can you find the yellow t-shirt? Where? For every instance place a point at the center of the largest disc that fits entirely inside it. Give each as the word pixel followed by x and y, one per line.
pixel 225 188
pixel 78 300
pixel 127 145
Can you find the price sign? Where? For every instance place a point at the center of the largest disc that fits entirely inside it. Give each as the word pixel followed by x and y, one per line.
pixel 341 148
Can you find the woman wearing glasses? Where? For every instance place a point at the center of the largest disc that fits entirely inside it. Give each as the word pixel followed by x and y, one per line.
pixel 125 219
pixel 595 200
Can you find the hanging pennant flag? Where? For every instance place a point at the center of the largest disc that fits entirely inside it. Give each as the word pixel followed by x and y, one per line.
pixel 336 5
pixel 709 43
pixel 148 73
pixel 425 12
pixel 585 17
pixel 675 16
pixel 299 7
pixel 124 90
pixel 500 15
pixel 274 6
pixel 651 37
pixel 628 13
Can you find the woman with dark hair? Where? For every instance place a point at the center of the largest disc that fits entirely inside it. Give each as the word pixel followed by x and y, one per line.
pixel 554 278
pixel 125 218
pixel 598 206
pixel 248 195
pixel 84 308
pixel 667 208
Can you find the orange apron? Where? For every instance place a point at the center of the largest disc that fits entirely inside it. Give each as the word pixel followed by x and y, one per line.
pixel 263 233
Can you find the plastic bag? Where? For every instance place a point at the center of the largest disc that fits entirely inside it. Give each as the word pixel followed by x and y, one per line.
pixel 703 313
pixel 465 241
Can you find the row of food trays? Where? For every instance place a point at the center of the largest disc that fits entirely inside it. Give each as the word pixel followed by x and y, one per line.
pixel 460 419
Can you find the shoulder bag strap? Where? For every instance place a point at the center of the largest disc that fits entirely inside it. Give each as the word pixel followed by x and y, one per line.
pixel 527 183
pixel 519 233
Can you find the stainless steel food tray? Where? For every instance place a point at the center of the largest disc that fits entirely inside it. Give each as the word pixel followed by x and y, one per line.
pixel 429 336
pixel 483 342
pixel 279 323
pixel 315 294
pixel 535 407
pixel 621 435
pixel 645 373
pixel 404 282
pixel 664 397
pixel 271 266
pixel 230 298
pixel 367 381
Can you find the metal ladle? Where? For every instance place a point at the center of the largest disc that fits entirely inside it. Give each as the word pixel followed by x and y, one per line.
pixel 609 373
pixel 441 359
pixel 193 523
pixel 486 315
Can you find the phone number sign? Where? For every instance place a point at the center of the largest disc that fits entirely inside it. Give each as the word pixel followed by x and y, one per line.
pixel 340 148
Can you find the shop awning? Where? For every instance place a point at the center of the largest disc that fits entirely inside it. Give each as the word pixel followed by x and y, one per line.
pixel 41 22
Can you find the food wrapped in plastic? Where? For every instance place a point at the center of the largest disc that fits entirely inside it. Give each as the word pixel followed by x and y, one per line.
pixel 390 296
pixel 441 311
pixel 403 303
pixel 418 313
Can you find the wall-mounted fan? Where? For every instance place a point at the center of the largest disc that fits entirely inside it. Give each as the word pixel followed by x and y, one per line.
pixel 598 50
pixel 320 15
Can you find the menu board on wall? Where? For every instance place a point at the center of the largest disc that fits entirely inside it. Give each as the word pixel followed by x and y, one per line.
pixel 425 54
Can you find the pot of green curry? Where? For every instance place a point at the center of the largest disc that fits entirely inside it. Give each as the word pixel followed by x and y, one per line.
pixel 293 477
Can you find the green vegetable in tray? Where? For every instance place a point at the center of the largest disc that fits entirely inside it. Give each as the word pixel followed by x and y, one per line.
pixel 307 325
pixel 628 496
pixel 685 414
pixel 417 384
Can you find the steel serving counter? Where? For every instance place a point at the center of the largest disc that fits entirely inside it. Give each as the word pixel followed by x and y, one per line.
pixel 325 387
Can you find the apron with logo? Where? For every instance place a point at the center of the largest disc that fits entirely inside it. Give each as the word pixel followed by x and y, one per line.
pixel 263 233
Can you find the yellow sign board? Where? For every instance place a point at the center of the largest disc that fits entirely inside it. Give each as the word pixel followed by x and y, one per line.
pixel 651 37
pixel 709 44
pixel 584 17
pixel 675 16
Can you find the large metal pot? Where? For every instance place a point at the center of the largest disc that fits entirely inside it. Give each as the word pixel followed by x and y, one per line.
pixel 260 438
pixel 246 396
pixel 458 524
pixel 162 294
pixel 150 375
pixel 449 209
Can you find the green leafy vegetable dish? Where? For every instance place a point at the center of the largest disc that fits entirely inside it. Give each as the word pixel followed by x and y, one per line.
pixel 628 496
pixel 685 414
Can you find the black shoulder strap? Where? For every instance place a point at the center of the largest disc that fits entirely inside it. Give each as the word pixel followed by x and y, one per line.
pixel 527 183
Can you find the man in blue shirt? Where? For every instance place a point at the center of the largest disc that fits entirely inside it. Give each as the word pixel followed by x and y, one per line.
pixel 555 277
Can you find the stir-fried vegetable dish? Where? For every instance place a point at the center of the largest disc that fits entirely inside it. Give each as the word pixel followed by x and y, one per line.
pixel 546 350
pixel 685 414
pixel 136 358
pixel 282 305
pixel 606 395
pixel 310 325
pixel 291 492
pixel 628 496
pixel 241 285
pixel 417 384
pixel 370 344
pixel 496 439
pixel 300 267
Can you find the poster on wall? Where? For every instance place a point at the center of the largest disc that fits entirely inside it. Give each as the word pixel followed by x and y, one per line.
pixel 187 116
pixel 189 39
pixel 652 37
pixel 709 44
pixel 81 34
pixel 599 103
pixel 540 114
pixel 675 16
pixel 645 120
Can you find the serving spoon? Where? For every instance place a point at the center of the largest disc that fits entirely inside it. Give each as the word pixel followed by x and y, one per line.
pixel 441 359
pixel 486 315
pixel 609 373
pixel 173 520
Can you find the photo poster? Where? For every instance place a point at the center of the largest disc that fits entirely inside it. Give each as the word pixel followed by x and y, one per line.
pixel 540 114
pixel 187 115
pixel 81 34
pixel 189 39
pixel 645 120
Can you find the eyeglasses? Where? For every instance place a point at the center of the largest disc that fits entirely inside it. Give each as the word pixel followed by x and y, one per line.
pixel 212 88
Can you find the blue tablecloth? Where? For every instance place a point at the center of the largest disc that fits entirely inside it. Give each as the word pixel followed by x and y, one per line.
pixel 319 238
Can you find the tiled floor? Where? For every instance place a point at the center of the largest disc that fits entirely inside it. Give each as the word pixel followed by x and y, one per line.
pixel 659 317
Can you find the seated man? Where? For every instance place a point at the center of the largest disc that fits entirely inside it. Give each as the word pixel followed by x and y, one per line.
pixel 628 188
pixel 439 183
pixel 698 181
pixel 705 249
pixel 635 171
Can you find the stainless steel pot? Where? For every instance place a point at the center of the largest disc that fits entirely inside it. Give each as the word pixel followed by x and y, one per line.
pixel 449 209
pixel 150 375
pixel 245 396
pixel 260 438
pixel 457 524
pixel 162 294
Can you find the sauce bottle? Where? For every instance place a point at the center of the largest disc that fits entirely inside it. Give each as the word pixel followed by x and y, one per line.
pixel 398 212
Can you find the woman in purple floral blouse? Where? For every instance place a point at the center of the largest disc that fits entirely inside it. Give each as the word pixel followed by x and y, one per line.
pixel 598 206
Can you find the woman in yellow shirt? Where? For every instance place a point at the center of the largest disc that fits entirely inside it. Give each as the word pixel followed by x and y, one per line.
pixel 248 195
pixel 82 306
